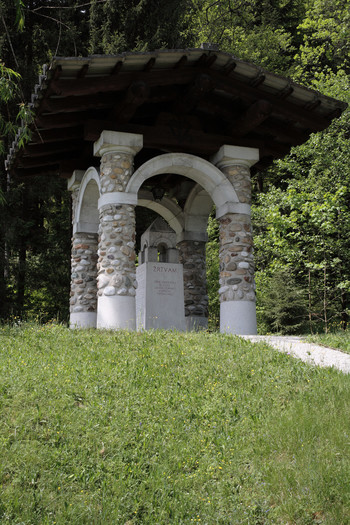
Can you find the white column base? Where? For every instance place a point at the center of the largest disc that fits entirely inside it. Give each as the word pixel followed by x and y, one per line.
pixel 117 312
pixel 194 323
pixel 238 317
pixel 83 320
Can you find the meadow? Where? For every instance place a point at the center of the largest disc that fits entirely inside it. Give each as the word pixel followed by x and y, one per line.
pixel 102 427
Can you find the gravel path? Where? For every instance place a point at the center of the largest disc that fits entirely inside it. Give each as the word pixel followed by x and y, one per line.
pixel 308 352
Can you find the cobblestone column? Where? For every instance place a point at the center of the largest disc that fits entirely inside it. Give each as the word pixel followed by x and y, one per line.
pixel 192 257
pixel 83 300
pixel 83 294
pixel 237 286
pixel 116 251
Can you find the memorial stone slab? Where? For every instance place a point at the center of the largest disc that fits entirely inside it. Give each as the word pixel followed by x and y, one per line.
pixel 160 296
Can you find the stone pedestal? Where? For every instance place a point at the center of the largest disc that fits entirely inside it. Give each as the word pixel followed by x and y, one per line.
pixel 160 297
pixel 160 291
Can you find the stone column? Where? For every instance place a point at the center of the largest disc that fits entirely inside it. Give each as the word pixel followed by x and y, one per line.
pixel 237 286
pixel 116 279
pixel 83 295
pixel 83 301
pixel 192 256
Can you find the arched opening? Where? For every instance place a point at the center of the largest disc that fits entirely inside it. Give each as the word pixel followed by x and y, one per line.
pixel 162 255
pixel 185 204
pixel 87 217
pixel 83 302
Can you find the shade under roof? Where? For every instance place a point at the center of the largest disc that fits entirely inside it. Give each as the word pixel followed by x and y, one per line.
pixel 192 101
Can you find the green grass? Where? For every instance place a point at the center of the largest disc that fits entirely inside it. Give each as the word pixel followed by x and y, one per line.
pixel 164 428
pixel 339 340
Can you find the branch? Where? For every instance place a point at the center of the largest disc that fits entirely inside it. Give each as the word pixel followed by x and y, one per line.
pixel 66 7
pixel 60 24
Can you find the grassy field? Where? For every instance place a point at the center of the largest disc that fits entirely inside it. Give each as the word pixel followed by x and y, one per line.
pixel 125 428
pixel 339 340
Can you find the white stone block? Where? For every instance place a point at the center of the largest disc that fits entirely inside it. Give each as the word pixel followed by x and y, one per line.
pixel 116 312
pixel 83 320
pixel 160 296
pixel 117 141
pixel 233 155
pixel 238 317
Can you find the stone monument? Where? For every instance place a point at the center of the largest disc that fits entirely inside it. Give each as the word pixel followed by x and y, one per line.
pixel 160 291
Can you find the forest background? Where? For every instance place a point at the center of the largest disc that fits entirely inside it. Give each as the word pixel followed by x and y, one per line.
pixel 301 208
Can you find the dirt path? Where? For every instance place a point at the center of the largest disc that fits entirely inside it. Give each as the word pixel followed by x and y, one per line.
pixel 308 352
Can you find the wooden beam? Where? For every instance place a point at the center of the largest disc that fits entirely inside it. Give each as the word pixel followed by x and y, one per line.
pixel 121 82
pixel 175 138
pixel 117 67
pixel 71 104
pixel 183 76
pixel 25 174
pixel 202 85
pixel 44 160
pixel 282 131
pixel 83 71
pixel 61 120
pixel 252 117
pixel 180 63
pixel 56 135
pixel 259 79
pixel 57 73
pixel 284 93
pixel 219 107
pixel 200 62
pixel 39 150
pixel 226 70
pixel 66 167
pixel 210 60
pixel 136 95
pixel 150 64
pixel 282 107
pixel 178 121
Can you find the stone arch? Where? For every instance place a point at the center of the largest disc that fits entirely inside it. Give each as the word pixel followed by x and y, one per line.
pixel 87 216
pixel 195 168
pixel 167 209
pixel 198 207
pixel 83 309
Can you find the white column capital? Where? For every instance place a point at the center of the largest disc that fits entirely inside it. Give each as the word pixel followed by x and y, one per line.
pixel 75 180
pixel 117 198
pixel 233 207
pixel 192 236
pixel 118 142
pixel 235 155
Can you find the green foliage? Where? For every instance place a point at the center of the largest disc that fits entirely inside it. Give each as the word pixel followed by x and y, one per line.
pixel 334 339
pixel 212 264
pixel 325 31
pixel 282 304
pixel 260 32
pixel 116 25
pixel 303 219
pixel 116 427
pixel 8 91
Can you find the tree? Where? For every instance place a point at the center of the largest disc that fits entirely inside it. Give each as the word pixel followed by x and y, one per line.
pixel 325 47
pixel 260 32
pixel 116 25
